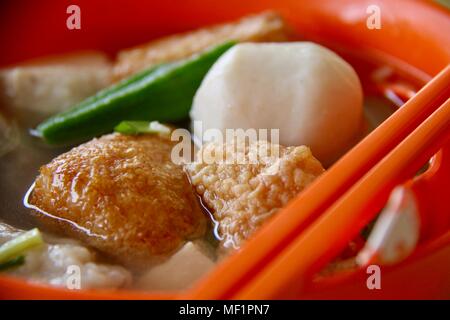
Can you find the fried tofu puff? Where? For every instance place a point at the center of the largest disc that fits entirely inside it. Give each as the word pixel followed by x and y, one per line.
pixel 251 185
pixel 121 195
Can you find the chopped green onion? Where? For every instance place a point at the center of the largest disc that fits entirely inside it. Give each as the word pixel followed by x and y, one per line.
pixel 14 262
pixel 142 127
pixel 19 244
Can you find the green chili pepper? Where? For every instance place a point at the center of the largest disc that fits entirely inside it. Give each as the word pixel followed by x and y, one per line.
pixel 163 93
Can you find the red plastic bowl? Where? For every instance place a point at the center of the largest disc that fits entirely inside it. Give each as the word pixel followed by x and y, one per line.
pixel 413 40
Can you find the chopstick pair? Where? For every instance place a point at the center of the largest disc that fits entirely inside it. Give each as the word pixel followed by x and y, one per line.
pixel 300 213
pixel 328 236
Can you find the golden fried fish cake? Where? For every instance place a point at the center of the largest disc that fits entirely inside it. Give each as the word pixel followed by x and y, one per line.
pixel 244 184
pixel 124 194
pixel 263 27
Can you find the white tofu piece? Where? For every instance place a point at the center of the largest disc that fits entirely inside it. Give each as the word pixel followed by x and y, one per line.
pixel 44 87
pixel 180 271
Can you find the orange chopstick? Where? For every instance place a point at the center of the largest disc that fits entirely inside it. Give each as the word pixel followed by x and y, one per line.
pixel 305 208
pixel 329 235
